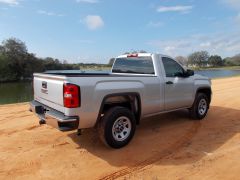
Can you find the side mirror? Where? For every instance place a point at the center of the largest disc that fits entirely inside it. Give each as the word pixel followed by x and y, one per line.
pixel 189 72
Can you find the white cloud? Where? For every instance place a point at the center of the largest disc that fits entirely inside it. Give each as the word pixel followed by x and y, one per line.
pixel 48 13
pixel 236 20
pixel 169 48
pixel 4 8
pixel 88 1
pixel 218 43
pixel 183 9
pixel 233 3
pixel 93 22
pixel 205 44
pixel 10 2
pixel 155 24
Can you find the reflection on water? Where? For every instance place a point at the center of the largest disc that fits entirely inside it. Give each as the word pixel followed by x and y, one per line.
pixel 218 73
pixel 22 91
pixel 15 92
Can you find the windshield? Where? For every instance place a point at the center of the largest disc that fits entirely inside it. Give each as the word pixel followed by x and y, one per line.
pixel 135 65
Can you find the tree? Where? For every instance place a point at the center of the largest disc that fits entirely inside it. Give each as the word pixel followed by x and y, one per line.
pixel 65 61
pixel 182 60
pixel 232 61
pixel 16 63
pixel 215 61
pixel 14 45
pixel 16 52
pixel 33 64
pixel 5 71
pixel 1 49
pixel 198 58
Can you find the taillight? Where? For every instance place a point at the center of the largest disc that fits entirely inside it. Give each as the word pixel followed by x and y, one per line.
pixel 71 96
pixel 132 55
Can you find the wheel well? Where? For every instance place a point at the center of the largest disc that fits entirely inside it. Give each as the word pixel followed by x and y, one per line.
pixel 131 101
pixel 206 91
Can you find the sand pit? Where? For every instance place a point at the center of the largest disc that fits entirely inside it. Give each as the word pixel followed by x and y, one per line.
pixel 169 146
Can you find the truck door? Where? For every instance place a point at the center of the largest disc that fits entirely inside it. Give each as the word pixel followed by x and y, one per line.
pixel 178 90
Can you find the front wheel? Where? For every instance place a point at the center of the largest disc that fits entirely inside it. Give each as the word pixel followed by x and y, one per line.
pixel 200 106
pixel 117 127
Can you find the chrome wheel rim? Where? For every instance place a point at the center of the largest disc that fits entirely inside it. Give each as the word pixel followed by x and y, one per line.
pixel 121 128
pixel 202 106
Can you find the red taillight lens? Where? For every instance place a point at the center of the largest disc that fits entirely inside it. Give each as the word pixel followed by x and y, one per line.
pixel 132 55
pixel 71 95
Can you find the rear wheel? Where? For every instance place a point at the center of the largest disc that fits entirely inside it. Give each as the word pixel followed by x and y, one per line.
pixel 117 127
pixel 42 121
pixel 200 106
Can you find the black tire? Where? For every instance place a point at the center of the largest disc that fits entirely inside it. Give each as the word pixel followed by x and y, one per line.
pixel 42 121
pixel 196 111
pixel 111 117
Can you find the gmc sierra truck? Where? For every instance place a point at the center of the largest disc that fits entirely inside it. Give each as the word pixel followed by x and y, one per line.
pixel 138 86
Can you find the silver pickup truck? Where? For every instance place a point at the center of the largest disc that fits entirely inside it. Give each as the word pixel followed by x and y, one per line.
pixel 139 86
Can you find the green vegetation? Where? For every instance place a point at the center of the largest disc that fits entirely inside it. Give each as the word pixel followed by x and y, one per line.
pixel 201 60
pixel 215 61
pixel 16 63
pixel 94 66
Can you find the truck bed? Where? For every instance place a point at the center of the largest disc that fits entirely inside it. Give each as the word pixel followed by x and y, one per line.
pixel 77 74
pixel 48 86
pixel 70 74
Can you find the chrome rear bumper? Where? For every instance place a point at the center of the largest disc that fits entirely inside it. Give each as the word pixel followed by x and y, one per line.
pixel 53 117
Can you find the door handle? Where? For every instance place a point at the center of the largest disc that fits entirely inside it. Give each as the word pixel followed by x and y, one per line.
pixel 169 82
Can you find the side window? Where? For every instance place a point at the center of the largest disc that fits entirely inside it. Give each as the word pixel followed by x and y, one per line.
pixel 172 68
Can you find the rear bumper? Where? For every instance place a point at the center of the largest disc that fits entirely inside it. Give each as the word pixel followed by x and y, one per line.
pixel 53 117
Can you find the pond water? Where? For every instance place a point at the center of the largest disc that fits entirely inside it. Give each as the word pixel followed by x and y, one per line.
pixel 22 91
pixel 218 73
pixel 15 92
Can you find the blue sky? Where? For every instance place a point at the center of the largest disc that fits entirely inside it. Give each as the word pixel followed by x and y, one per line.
pixel 95 30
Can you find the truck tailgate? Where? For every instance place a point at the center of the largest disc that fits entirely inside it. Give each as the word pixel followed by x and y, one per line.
pixel 48 89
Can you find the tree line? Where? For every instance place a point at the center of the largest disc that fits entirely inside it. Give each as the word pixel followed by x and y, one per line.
pixel 202 59
pixel 17 63
pixel 199 59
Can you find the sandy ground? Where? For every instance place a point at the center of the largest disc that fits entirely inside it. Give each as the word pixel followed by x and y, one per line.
pixel 169 146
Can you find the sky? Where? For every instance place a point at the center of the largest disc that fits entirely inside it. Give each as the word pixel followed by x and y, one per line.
pixel 96 30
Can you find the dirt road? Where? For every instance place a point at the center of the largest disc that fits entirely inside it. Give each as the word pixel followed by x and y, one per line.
pixel 168 146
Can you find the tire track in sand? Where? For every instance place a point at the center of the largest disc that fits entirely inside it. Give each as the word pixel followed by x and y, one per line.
pixel 181 142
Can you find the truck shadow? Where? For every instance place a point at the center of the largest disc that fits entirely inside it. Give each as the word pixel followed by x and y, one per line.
pixel 170 138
